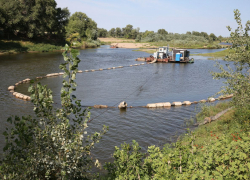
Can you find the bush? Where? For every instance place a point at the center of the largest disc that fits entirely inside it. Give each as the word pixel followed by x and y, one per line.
pixel 224 157
pixel 54 144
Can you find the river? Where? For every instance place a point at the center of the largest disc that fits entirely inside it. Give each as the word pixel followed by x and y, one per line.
pixel 137 85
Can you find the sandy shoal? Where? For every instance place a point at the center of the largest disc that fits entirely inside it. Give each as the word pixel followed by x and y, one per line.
pixel 133 45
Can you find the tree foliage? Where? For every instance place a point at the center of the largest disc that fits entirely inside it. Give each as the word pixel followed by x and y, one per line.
pixel 62 19
pixel 31 17
pixel 237 75
pixel 127 31
pixel 118 32
pixel 112 32
pixel 162 31
pixel 80 23
pixel 54 144
pixel 101 32
pixel 224 157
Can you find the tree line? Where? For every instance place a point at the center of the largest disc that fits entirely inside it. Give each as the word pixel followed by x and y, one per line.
pixel 34 19
pixel 129 32
pixel 39 19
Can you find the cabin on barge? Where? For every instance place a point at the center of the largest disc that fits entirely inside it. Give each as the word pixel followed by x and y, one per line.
pixel 163 55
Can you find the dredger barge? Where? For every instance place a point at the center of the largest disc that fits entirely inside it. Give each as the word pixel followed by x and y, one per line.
pixel 163 55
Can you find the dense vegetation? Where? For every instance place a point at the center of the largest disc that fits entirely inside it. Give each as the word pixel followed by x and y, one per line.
pixel 42 24
pixel 32 19
pixel 54 144
pixel 192 39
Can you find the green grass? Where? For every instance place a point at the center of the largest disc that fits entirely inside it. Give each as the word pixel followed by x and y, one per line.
pixel 215 54
pixel 150 51
pixel 188 45
pixel 218 150
pixel 26 46
pixel 17 46
pixel 208 110
pixel 226 124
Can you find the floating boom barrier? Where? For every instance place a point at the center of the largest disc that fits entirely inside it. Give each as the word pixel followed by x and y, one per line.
pixel 150 106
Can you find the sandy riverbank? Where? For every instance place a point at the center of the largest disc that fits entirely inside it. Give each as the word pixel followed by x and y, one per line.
pixel 126 43
pixel 133 45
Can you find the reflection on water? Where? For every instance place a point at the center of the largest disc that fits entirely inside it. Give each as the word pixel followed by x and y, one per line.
pixel 138 86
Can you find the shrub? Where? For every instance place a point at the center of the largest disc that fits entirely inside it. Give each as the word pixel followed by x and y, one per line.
pixel 54 144
pixel 224 157
pixel 237 74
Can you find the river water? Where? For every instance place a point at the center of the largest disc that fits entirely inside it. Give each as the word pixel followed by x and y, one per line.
pixel 137 85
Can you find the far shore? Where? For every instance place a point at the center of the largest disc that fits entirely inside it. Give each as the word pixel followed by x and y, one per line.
pixel 10 52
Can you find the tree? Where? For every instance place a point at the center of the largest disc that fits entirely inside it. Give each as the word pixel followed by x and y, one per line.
pixel 162 32
pixel 147 33
pixel 78 23
pixel 220 38
pixel 118 32
pixel 10 16
pixel 205 35
pixel 112 32
pixel 54 144
pixel 138 37
pixel 196 33
pixel 127 31
pixel 38 17
pixel 91 34
pixel 32 18
pixel 237 77
pixel 101 32
pixel 62 19
pixel 134 33
pixel 212 37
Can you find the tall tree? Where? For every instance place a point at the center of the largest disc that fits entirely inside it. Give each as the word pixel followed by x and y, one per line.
pixel 101 32
pixel 112 32
pixel 134 33
pixel 212 37
pixel 62 19
pixel 196 33
pixel 79 22
pixel 146 33
pixel 118 32
pixel 127 31
pixel 237 73
pixel 205 35
pixel 162 32
pixel 31 17
pixel 10 16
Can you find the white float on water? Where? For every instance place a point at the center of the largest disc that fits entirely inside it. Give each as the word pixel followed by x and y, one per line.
pixel 186 103
pixel 176 104
pixel 11 88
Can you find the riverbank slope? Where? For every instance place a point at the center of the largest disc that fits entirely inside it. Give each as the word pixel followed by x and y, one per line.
pixel 28 46
pixel 218 150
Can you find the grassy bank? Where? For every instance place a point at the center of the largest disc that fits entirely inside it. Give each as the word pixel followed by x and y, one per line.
pixel 215 54
pixel 223 125
pixel 218 150
pixel 27 46
pixel 172 43
pixel 19 46
pixel 150 51
pixel 188 44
